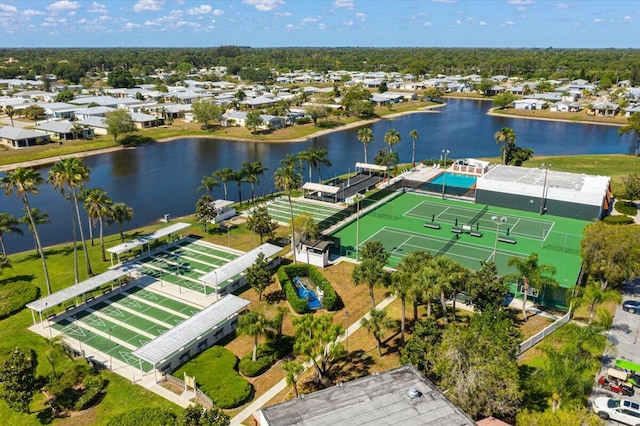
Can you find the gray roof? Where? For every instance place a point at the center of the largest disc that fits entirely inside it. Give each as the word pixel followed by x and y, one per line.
pixel 98 122
pixel 145 239
pixel 379 399
pixel 176 338
pixel 15 133
pixel 79 289
pixel 239 265
pixel 55 126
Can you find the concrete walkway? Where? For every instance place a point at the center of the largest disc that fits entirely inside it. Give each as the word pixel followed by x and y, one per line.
pixel 248 411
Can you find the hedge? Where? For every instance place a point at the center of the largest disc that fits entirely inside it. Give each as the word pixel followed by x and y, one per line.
pixel 331 301
pixel 14 296
pixel 145 416
pixel 618 220
pixel 626 207
pixel 268 354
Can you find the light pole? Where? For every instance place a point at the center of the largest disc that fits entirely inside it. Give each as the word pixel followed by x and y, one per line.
pixel 498 221
pixel 346 315
pixel 357 226
pixel 546 167
pixel 75 320
pixel 445 152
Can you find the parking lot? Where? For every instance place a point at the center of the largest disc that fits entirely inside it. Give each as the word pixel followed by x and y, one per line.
pixel 624 343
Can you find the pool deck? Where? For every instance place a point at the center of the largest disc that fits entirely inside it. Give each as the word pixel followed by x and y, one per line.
pixel 424 173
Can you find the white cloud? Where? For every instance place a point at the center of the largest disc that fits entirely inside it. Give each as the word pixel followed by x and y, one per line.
pixel 349 23
pixel 148 5
pixel 627 18
pixel 96 7
pixel 309 19
pixel 131 25
pixel 562 6
pixel 445 1
pixel 64 5
pixel 458 22
pixel 200 10
pixel 283 14
pixel 482 23
pixel 264 5
pixel 151 23
pixel 427 24
pixel 509 23
pixel 361 16
pixel 598 20
pixel 344 4
pixel 521 2
pixel 290 27
pixel 31 12
pixel 322 26
pixel 218 12
pixel 7 8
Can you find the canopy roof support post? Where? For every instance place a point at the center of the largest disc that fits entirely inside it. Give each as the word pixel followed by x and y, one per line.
pixel 33 316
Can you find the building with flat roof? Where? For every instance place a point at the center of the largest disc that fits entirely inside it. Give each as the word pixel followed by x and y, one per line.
pixel 546 191
pixel 402 396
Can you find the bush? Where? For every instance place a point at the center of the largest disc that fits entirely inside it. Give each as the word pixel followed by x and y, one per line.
pixel 298 305
pixel 303 120
pixel 145 416
pixel 15 295
pixel 331 300
pixel 626 207
pixel 618 220
pixel 216 376
pixel 251 368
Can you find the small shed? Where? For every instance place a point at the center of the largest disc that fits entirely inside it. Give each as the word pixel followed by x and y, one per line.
pixel 223 210
pixel 314 252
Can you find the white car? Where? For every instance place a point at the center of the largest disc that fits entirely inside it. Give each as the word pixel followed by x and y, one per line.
pixel 621 410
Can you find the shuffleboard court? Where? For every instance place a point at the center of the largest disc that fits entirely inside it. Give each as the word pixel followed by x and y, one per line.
pixel 204 249
pixel 279 210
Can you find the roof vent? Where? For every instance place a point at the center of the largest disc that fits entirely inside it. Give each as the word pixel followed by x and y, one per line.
pixel 414 393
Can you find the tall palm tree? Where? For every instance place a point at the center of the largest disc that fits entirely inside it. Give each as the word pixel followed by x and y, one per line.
pixel 592 295
pixel 412 265
pixel 208 183
pixel 9 224
pixel 507 137
pixel 252 172
pixel 426 287
pixel 5 263
pixel 254 324
pixel 293 370
pixel 633 125
pixel 120 213
pixel 371 273
pixel 377 324
pixel 391 138
pixel 98 207
pixel 10 113
pixel 225 175
pixel 365 135
pixel 239 177
pixel 401 284
pixel 314 158
pixel 69 174
pixel 24 181
pixel 286 178
pixel 533 275
pixel 414 135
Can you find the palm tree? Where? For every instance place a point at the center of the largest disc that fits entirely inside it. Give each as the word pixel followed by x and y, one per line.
pixel 9 224
pixel 286 178
pixel 533 274
pixel 208 183
pixel 120 213
pixel 39 217
pixel 315 157
pixel 252 172
pixel 391 138
pixel 371 273
pixel 225 175
pixel 633 125
pixel 426 287
pixel 23 182
pixel 69 174
pixel 592 295
pixel 412 265
pixel 401 284
pixel 293 370
pixel 377 324
pixel 10 113
pixel 98 207
pixel 238 178
pixel 414 135
pixel 507 137
pixel 5 263
pixel 365 135
pixel 254 324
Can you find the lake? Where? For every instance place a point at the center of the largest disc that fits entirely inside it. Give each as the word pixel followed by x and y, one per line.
pixel 161 178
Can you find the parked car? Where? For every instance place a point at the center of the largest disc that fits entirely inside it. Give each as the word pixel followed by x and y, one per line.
pixel 621 410
pixel 632 306
pixel 613 382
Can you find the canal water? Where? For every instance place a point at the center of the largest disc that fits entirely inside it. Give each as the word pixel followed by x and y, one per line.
pixel 161 178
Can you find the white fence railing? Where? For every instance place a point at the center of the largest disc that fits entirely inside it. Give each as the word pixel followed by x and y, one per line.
pixel 536 338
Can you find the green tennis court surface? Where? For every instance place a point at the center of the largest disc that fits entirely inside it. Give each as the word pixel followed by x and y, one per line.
pixel 400 226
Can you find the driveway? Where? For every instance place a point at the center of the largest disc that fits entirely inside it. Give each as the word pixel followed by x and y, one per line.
pixel 623 342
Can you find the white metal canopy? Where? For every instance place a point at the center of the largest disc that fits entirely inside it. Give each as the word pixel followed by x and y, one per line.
pixel 328 189
pixel 239 265
pixel 178 337
pixel 79 289
pixel 145 239
pixel 366 166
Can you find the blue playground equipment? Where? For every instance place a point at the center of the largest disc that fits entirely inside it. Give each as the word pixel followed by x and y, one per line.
pixel 304 293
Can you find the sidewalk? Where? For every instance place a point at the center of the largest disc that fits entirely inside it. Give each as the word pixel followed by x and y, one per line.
pixel 282 384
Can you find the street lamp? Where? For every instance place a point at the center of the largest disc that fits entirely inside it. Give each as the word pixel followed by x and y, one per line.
pixel 445 152
pixel 498 221
pixel 546 167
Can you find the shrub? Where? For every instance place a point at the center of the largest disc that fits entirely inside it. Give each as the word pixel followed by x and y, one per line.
pixel 618 220
pixel 216 376
pixel 14 296
pixel 626 207
pixel 299 305
pixel 145 416
pixel 331 300
pixel 251 368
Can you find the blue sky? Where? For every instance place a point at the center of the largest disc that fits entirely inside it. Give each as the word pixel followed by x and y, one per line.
pixel 318 23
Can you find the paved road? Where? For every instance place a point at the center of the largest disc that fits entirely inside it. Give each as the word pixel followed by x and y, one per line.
pixel 624 342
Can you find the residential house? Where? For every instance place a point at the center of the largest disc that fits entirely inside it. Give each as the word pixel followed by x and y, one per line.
pixel 564 106
pixel 631 110
pixel 606 109
pixel 20 138
pixel 144 121
pixel 59 109
pixel 104 101
pixel 99 111
pixel 98 124
pixel 65 130
pixel 529 104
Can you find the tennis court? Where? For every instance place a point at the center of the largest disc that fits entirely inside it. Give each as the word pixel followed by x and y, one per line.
pixel 280 212
pixel 466 233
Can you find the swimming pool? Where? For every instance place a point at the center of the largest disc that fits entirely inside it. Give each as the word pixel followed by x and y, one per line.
pixel 454 179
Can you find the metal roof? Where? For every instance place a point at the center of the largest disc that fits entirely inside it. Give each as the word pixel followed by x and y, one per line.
pixel 367 166
pixel 144 239
pixel 239 265
pixel 329 189
pixel 79 289
pixel 176 338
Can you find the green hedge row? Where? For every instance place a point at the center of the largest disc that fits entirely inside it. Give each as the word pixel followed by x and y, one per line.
pixel 268 354
pixel 14 296
pixel 145 416
pixel 626 207
pixel 618 220
pixel 331 301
